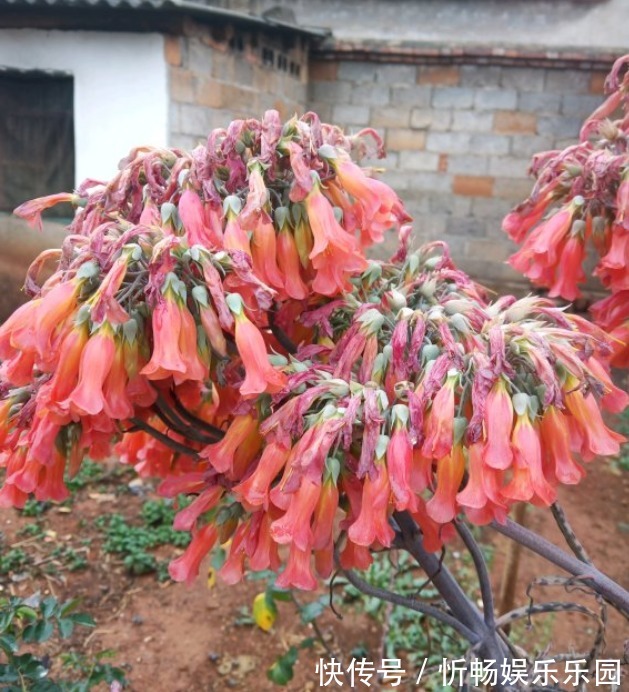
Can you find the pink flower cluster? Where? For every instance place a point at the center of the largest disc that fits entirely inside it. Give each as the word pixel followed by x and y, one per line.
pixel 214 321
pixel 581 200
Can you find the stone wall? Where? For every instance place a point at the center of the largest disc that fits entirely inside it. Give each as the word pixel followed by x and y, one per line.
pixel 20 246
pixel 459 140
pixel 216 75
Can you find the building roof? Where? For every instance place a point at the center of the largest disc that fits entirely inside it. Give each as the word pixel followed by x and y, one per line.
pixel 199 9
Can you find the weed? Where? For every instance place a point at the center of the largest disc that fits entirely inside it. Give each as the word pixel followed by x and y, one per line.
pixel 14 560
pixel 89 473
pixel 133 543
pixel 34 621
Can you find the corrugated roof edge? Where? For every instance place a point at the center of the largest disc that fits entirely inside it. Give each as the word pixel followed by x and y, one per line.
pixel 184 6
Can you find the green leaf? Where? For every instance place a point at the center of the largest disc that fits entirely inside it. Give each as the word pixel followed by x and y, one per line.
pixel 281 672
pixel 8 643
pixel 68 607
pixel 48 606
pixel 38 632
pixel 66 627
pixel 8 673
pixel 83 619
pixel 280 594
pixel 311 611
pixel 26 612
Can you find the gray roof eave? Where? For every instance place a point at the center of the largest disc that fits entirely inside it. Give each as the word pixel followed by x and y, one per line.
pixel 184 7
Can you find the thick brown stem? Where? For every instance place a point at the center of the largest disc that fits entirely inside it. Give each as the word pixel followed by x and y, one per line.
pixel 506 599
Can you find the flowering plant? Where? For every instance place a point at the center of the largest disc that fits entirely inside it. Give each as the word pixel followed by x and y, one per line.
pixel 581 199
pixel 214 320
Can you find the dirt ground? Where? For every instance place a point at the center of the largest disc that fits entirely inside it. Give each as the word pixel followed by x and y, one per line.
pixel 173 638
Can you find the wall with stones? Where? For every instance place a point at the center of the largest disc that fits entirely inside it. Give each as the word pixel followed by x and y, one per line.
pixel 20 246
pixel 216 75
pixel 459 140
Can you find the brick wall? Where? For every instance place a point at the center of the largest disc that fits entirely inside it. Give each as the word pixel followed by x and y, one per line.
pixel 459 140
pixel 20 246
pixel 218 76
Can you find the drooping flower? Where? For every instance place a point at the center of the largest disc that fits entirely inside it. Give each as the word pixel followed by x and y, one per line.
pixel 260 375
pixel 335 253
pixel 294 526
pixel 528 474
pixel 498 423
pixel 221 454
pixel 97 358
pixel 254 490
pixel 442 506
pixel 440 423
pixel 372 524
pixel 399 465
pixel 32 210
pixel 186 568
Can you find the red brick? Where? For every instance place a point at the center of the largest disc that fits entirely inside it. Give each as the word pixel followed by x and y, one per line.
pixel 405 140
pixel 323 71
pixel 513 122
pixel 440 75
pixel 182 85
pixel 597 82
pixel 172 50
pixel 209 93
pixel 443 163
pixel 473 185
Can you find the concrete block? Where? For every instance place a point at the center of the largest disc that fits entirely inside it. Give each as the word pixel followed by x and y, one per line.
pixel 357 72
pixel 489 144
pixel 580 106
pixel 182 85
pixel 493 99
pixel 483 76
pixel 431 119
pixel 489 250
pixel 196 120
pixel 351 115
pixel 522 78
pixel 468 164
pixel 395 75
pixel 491 208
pixel 526 145
pixel 199 57
pixel 390 117
pixel 323 110
pixel 465 226
pixel 330 92
pixel 562 126
pixel 505 166
pixel 513 189
pixel 448 142
pixel 472 121
pixel 401 139
pixel 453 97
pixel 567 81
pixel 450 205
pixel 370 95
pixel 418 96
pixel 439 75
pixel 419 161
pixel 539 102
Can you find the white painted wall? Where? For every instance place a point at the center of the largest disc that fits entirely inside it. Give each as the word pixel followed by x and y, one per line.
pixel 120 89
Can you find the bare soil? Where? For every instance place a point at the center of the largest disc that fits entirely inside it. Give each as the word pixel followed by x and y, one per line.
pixel 173 638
